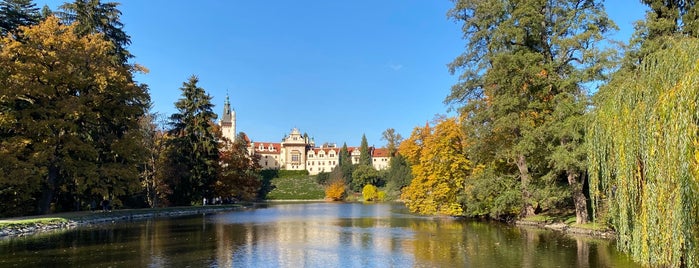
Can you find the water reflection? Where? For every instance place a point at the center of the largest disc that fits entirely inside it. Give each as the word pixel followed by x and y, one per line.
pixel 310 235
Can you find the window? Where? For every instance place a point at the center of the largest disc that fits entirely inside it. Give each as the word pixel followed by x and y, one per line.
pixel 332 155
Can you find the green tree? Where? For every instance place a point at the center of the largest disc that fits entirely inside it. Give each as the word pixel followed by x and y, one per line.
pixel 392 139
pixel 344 169
pixel 240 172
pixel 93 16
pixel 56 90
pixel 193 150
pixel 15 13
pixel 398 175
pixel 365 156
pixel 520 56
pixel 644 159
pixel 664 20
pixel 363 175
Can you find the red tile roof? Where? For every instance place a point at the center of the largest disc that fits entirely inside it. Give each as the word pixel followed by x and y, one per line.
pixel 276 146
pixel 380 152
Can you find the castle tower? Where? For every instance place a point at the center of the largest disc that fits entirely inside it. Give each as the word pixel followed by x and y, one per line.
pixel 228 121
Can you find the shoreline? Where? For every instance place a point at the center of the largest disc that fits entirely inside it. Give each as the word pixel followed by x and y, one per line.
pixel 26 226
pixel 568 229
pixel 31 225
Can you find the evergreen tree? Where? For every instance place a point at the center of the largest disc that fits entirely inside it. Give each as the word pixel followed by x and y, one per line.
pixel 15 13
pixel 193 150
pixel 93 16
pixel 365 156
pixel 665 19
pixel 520 56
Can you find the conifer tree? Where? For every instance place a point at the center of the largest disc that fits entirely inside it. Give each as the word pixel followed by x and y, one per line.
pixel 93 16
pixel 365 156
pixel 193 150
pixel 15 13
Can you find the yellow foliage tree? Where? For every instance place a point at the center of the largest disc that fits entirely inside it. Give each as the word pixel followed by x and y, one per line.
pixel 335 191
pixel 439 168
pixel 370 193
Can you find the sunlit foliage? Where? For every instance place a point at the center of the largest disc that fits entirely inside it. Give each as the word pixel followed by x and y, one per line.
pixel 439 168
pixel 643 156
pixel 336 190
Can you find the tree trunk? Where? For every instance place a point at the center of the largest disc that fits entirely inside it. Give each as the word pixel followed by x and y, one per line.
pixel 528 208
pixel 48 191
pixel 578 196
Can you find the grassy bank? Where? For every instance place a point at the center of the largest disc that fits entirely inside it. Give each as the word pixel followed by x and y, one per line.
pixel 566 223
pixel 294 186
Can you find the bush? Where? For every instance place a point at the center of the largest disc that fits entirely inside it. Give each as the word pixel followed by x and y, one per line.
pixel 335 191
pixel 370 193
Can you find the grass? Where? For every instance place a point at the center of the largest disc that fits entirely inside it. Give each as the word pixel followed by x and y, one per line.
pixel 30 222
pixel 295 188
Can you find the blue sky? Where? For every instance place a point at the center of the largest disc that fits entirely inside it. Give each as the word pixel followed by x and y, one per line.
pixel 333 69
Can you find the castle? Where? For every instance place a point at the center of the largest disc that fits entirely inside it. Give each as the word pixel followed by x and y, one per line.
pixel 297 151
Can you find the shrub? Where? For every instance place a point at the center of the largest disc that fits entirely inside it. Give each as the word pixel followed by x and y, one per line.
pixel 370 193
pixel 335 191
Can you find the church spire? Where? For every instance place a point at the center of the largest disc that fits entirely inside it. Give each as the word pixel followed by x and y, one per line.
pixel 228 120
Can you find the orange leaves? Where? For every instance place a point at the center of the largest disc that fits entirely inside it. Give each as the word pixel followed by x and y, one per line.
pixel 335 191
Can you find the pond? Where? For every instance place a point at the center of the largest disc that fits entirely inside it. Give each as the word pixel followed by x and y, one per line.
pixel 310 235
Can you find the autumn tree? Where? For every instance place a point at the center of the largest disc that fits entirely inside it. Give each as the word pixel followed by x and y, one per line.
pixel 335 191
pixel 153 143
pixel 55 92
pixel 15 13
pixel 193 154
pixel 239 176
pixel 440 168
pixel 370 193
pixel 520 56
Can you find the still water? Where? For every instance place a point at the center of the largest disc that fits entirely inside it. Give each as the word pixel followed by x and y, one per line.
pixel 309 235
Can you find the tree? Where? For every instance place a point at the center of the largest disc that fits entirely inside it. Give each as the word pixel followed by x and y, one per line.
pixel 93 16
pixel 57 90
pixel 644 159
pixel 344 169
pixel 240 172
pixel 335 191
pixel 520 55
pixel 365 156
pixel 15 13
pixel 363 175
pixel 193 152
pixel 665 19
pixel 154 144
pixel 370 193
pixel 392 139
pixel 398 175
pixel 440 169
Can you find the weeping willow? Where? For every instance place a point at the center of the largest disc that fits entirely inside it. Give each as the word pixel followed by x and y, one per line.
pixel 644 156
